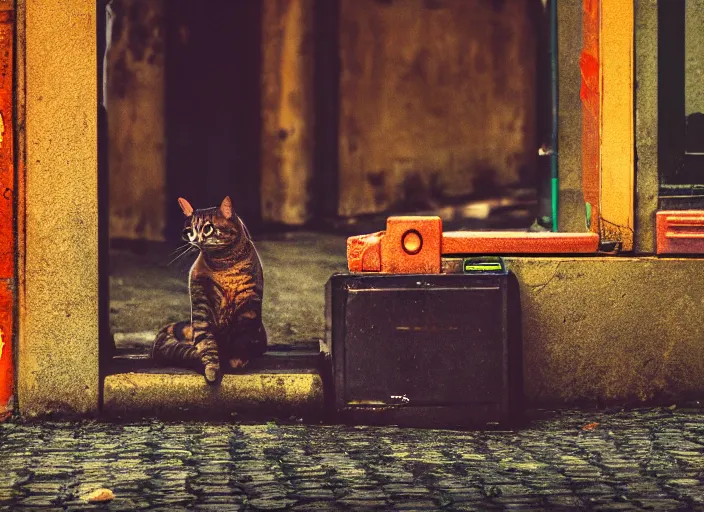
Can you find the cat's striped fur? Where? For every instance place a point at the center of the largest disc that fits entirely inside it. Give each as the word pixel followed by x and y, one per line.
pixel 226 285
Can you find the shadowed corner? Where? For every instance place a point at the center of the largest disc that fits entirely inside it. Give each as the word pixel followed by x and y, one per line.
pixel 517 399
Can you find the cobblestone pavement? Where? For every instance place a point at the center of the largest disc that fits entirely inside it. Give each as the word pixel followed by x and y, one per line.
pixel 644 459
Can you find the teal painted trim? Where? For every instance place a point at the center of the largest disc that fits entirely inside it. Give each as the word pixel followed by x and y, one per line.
pixel 589 215
pixel 554 190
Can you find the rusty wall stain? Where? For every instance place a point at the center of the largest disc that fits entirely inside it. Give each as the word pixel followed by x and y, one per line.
pixel 437 101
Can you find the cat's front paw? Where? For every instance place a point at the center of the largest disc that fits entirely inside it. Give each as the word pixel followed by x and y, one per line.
pixel 237 363
pixel 212 373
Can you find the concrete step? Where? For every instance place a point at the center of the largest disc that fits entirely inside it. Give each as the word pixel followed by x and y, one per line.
pixel 280 384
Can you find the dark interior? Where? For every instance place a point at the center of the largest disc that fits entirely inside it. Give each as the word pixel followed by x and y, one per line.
pixel 680 135
pixel 213 97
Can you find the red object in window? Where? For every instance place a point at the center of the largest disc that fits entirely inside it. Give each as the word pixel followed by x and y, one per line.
pixel 680 232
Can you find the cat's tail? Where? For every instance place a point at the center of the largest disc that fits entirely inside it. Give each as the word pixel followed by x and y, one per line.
pixel 173 346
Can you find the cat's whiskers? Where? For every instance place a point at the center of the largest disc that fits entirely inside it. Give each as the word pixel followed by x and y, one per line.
pixel 179 248
pixel 184 253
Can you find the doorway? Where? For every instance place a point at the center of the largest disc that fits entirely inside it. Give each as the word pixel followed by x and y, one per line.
pixel 212 107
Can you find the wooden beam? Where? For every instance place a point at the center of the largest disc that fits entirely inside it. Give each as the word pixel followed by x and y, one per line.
pixel 135 103
pixel 288 111
pixel 571 211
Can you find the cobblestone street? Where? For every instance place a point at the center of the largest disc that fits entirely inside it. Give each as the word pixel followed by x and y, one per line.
pixel 644 459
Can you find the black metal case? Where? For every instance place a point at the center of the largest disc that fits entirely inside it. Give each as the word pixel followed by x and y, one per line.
pixel 423 350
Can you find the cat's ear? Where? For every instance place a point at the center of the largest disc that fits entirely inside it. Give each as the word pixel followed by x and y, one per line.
pixel 185 207
pixel 226 208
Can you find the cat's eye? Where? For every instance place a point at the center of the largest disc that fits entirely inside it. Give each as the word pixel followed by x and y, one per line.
pixel 208 230
pixel 189 234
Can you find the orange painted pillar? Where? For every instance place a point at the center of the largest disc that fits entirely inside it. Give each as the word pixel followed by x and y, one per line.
pixel 608 156
pixel 590 94
pixel 7 208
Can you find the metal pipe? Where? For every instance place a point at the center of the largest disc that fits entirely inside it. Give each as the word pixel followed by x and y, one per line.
pixel 552 6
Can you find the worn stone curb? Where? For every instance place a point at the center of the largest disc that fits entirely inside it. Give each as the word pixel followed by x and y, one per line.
pixel 187 396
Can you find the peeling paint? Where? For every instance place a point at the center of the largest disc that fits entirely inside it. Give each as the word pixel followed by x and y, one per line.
pixel 590 93
pixel 7 233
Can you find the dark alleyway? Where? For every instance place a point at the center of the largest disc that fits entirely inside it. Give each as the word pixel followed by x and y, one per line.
pixel 647 459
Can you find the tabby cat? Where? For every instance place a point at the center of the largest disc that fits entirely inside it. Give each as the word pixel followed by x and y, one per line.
pixel 226 285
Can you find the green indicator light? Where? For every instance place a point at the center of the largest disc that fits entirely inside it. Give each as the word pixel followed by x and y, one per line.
pixel 483 264
pixel 470 266
pixel 481 268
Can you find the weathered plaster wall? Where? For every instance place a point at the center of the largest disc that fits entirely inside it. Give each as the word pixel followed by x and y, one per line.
pixel 135 102
pixel 437 100
pixel 611 329
pixel 694 56
pixel 646 133
pixel 58 343
pixel 571 208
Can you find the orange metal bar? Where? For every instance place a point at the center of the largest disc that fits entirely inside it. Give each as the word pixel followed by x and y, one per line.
pixel 364 252
pixel 415 245
pixel 7 238
pixel 518 242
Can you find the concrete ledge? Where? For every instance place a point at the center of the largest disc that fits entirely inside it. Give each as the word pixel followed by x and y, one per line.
pixel 185 395
pixel 611 330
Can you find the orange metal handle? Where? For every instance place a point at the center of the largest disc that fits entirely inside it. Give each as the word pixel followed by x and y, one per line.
pixel 416 244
